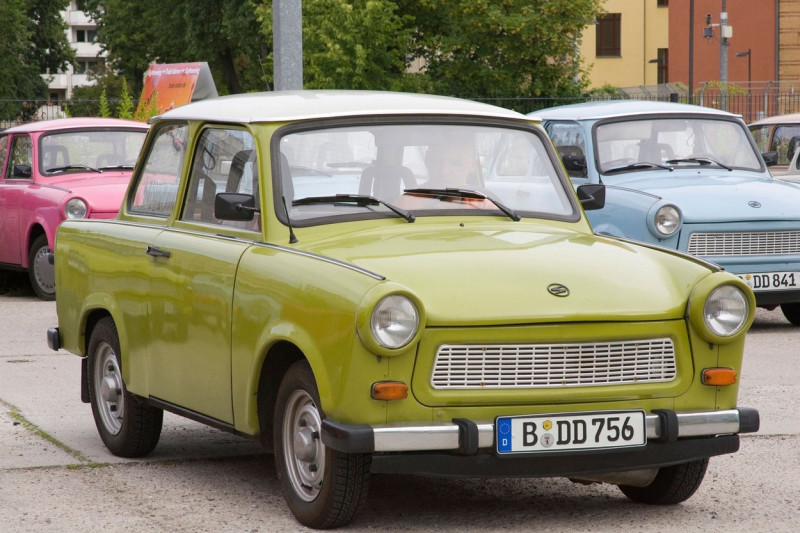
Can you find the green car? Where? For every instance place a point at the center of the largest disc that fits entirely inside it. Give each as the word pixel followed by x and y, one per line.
pixel 374 282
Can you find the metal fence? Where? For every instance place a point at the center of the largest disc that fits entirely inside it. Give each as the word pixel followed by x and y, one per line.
pixel 752 101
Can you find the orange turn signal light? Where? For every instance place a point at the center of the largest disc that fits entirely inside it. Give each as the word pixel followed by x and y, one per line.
pixel 719 376
pixel 389 390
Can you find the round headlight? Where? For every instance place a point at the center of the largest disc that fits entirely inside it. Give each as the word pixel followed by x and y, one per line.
pixel 667 220
pixel 75 208
pixel 726 310
pixel 394 321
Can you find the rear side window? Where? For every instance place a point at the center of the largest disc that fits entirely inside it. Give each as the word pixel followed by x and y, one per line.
pixel 157 186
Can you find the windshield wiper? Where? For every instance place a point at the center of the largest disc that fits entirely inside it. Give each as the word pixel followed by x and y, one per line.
pixel 638 166
pixel 700 161
pixel 73 167
pixel 466 193
pixel 117 167
pixel 361 200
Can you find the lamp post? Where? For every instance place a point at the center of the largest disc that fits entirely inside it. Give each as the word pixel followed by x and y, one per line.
pixel 749 82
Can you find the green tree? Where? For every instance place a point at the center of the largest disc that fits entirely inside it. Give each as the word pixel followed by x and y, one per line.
pixel 30 29
pixel 504 48
pixel 53 52
pixel 223 33
pixel 125 108
pixel 105 110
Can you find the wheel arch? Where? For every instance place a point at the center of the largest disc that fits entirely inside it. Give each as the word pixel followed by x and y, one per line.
pixel 35 231
pixel 277 361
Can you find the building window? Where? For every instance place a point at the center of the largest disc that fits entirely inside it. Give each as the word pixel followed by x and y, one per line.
pixel 609 35
pixel 663 65
pixel 85 36
pixel 662 3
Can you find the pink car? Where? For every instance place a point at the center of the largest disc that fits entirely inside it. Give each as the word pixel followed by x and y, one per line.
pixel 54 170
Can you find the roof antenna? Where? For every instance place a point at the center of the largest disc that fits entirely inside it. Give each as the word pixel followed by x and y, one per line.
pixel 292 238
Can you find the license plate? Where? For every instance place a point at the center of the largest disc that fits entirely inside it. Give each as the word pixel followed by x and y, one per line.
pixel 568 432
pixel 772 281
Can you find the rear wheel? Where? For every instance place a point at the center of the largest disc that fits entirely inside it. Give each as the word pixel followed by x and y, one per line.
pixel 128 427
pixel 673 484
pixel 40 270
pixel 791 312
pixel 324 488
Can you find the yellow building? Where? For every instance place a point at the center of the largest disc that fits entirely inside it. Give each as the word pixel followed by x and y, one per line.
pixel 627 46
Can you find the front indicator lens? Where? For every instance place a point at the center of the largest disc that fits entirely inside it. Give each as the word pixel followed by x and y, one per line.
pixel 394 321
pixel 726 310
pixel 75 208
pixel 719 377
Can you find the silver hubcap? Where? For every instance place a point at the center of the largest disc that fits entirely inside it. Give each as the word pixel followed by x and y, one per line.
pixel 304 452
pixel 108 389
pixel 43 271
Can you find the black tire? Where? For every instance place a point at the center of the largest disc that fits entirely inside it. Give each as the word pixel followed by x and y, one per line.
pixel 672 485
pixel 792 313
pixel 128 427
pixel 40 271
pixel 324 488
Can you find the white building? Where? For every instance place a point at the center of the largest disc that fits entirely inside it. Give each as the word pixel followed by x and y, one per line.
pixel 81 35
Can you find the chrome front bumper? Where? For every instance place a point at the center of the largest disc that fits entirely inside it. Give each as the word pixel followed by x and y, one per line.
pixel 466 436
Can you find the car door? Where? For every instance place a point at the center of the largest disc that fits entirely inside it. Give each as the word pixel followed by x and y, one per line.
pixel 190 362
pixel 17 176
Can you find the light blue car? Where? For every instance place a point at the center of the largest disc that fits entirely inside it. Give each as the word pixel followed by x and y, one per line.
pixel 689 178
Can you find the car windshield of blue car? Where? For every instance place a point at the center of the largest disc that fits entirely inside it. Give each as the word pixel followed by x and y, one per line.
pixel 419 169
pixel 674 143
pixel 93 151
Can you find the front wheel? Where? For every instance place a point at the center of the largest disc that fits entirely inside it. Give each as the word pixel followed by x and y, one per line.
pixel 792 313
pixel 40 271
pixel 324 488
pixel 672 485
pixel 128 427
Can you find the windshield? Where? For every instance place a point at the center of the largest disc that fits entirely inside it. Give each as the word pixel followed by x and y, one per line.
pixel 677 142
pixel 83 150
pixel 418 169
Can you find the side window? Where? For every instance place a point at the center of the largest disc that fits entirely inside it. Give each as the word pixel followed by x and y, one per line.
pixel 19 166
pixel 761 135
pixel 224 161
pixel 157 185
pixel 3 152
pixel 571 147
pixel 785 142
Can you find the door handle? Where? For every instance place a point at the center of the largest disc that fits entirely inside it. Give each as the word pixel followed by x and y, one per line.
pixel 157 252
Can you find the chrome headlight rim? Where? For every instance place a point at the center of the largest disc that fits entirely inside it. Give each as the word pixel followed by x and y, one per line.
pixel 76 208
pixel 371 321
pixel 721 310
pixel 664 220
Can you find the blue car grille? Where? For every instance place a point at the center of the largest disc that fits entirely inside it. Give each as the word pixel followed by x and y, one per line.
pixel 503 366
pixel 745 243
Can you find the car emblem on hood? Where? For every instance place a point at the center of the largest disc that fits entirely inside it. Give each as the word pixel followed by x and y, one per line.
pixel 557 289
pixel 753 203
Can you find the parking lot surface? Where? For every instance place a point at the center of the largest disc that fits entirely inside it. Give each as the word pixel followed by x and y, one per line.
pixel 56 475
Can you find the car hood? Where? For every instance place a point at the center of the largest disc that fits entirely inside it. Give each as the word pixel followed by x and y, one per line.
pixel 103 192
pixel 721 197
pixel 501 273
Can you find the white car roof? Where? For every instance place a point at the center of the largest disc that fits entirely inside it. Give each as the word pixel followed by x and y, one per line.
pixel 283 106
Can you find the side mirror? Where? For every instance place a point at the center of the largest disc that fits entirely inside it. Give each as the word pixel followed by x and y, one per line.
pixel 592 196
pixel 770 158
pixel 22 171
pixel 234 206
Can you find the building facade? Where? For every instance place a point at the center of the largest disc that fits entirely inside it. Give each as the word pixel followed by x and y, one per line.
pixel 81 34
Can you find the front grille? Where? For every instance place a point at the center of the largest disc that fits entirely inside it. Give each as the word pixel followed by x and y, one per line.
pixel 745 243
pixel 510 366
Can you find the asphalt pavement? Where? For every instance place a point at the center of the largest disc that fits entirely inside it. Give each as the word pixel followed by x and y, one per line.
pixel 56 475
